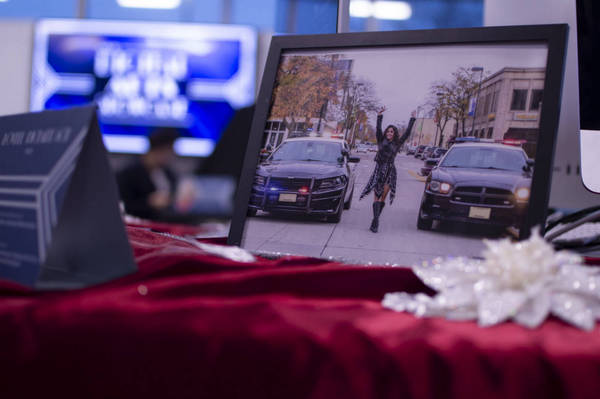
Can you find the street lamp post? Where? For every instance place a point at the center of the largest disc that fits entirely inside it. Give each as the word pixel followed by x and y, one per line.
pixel 322 115
pixel 439 116
pixel 421 129
pixel 480 70
pixel 410 140
pixel 437 126
pixel 349 111
pixel 355 104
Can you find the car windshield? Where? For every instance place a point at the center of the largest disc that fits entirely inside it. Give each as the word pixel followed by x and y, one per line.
pixel 484 158
pixel 306 150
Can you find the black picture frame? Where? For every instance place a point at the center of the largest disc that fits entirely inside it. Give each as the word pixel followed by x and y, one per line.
pixel 554 36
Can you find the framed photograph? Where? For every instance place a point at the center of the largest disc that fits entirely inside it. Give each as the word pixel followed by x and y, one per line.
pixel 398 147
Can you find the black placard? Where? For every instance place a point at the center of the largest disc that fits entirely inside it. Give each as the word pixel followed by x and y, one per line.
pixel 60 225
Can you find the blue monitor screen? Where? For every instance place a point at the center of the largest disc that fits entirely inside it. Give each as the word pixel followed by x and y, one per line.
pixel 144 76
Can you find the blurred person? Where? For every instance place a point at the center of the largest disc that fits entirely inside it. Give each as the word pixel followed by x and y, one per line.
pixel 383 178
pixel 147 186
pixel 228 155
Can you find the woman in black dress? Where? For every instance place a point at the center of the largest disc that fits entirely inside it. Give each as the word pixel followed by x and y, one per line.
pixel 383 179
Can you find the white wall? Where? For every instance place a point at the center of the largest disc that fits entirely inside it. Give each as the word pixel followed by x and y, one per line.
pixel 16 42
pixel 567 189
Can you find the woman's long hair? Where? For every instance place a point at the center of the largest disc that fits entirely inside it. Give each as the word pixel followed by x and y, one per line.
pixel 396 137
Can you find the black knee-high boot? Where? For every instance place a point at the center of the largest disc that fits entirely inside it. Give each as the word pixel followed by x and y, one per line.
pixel 374 221
pixel 377 206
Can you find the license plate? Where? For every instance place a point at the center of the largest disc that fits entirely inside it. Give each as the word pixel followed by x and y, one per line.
pixel 287 197
pixel 479 213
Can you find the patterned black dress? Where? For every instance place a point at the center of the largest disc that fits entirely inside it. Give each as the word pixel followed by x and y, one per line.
pixel 385 170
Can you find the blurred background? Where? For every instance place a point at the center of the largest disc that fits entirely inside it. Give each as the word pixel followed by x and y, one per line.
pixel 196 67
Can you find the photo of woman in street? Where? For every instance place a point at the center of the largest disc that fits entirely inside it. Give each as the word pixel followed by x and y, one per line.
pixel 446 134
pixel 383 178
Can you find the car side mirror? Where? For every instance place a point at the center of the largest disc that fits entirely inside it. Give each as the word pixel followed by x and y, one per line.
pixel 529 166
pixel 435 161
pixel 354 159
pixel 263 157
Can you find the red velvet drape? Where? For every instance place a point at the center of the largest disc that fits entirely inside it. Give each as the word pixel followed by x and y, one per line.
pixel 190 325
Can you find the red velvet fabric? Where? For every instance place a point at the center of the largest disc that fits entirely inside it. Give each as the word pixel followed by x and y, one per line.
pixel 190 325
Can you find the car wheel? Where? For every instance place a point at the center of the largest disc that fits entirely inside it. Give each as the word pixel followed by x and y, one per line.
pixel 349 203
pixel 424 224
pixel 251 212
pixel 338 215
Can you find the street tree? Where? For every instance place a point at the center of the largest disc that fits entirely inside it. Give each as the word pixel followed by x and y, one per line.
pixel 359 99
pixel 457 91
pixel 303 87
pixel 440 106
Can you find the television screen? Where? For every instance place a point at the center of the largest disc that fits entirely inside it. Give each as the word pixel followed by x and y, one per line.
pixel 588 35
pixel 144 76
pixel 588 50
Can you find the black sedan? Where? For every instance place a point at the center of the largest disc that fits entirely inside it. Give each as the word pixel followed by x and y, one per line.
pixel 428 152
pixel 307 176
pixel 478 183
pixel 419 151
pixel 430 162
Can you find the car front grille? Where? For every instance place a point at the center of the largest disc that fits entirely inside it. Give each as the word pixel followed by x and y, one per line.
pixel 479 195
pixel 286 184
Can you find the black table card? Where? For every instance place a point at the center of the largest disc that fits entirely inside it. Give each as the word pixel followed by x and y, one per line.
pixel 60 225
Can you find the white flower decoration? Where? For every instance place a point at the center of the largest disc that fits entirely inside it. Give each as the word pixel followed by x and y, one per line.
pixel 524 281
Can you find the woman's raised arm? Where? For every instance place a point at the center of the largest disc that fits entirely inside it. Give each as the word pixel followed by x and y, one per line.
pixel 379 131
pixel 407 132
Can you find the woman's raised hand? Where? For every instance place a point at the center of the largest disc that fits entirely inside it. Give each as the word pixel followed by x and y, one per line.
pixel 380 110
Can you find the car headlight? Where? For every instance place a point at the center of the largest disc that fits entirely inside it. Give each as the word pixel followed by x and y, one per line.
pixel 439 187
pixel 259 180
pixel 445 188
pixel 522 194
pixel 332 183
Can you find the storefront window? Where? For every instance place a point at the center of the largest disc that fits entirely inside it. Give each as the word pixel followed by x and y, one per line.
pixel 284 16
pixel 277 16
pixel 209 11
pixel 39 9
pixel 377 15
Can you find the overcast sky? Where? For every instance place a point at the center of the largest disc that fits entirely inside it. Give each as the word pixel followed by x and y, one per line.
pixel 402 76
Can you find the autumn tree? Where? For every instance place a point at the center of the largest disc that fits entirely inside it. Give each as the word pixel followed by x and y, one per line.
pixel 303 85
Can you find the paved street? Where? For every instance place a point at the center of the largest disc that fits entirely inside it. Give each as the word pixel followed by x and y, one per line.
pixel 398 240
